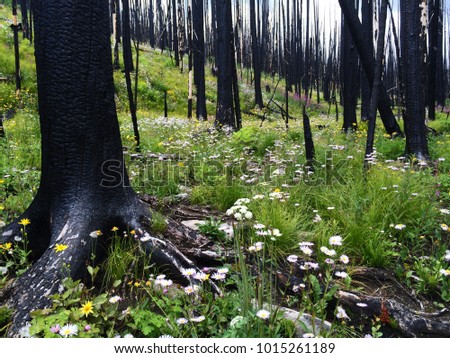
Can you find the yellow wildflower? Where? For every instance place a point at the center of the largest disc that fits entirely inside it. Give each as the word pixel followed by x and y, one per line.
pixel 87 308
pixel 133 232
pixel 277 190
pixel 60 247
pixel 24 222
pixel 114 229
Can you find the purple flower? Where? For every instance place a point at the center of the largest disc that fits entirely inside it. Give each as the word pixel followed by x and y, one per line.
pixel 87 328
pixel 55 329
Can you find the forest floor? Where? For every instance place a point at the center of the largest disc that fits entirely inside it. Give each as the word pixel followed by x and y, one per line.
pixel 363 251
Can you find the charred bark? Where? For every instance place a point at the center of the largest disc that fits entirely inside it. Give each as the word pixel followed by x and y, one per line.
pixel 198 47
pixel 412 65
pixel 84 186
pixel 377 80
pixel 225 113
pixel 255 57
pixel 355 27
pixel 15 28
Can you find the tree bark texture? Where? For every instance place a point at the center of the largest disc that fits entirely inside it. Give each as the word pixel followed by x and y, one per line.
pixel 368 61
pixel 412 65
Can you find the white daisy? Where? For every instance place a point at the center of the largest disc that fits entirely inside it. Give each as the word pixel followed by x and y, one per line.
pixel 336 240
pixel 263 314
pixel 68 330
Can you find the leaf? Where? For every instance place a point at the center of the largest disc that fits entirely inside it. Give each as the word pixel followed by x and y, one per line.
pixel 39 313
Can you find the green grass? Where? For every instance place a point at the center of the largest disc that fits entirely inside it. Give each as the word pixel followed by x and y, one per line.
pixel 217 170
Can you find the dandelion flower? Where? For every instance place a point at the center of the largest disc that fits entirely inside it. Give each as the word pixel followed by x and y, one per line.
pixel 263 314
pixel 68 330
pixel 60 247
pixel 24 222
pixel 87 308
pixel 335 240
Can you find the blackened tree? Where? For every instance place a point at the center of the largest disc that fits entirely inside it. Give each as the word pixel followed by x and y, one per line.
pixel 255 56
pixel 412 65
pixel 198 43
pixel 84 186
pixel 227 97
pixel 368 61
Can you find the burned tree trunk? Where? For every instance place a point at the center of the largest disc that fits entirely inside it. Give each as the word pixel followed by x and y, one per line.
pixel 349 63
pixel 367 22
pixel 15 28
pixel 128 67
pixel 377 79
pixel 433 21
pixel 175 33
pixel 367 60
pixel 412 65
pixel 255 57
pixel 198 47
pixel 84 186
pixel 225 113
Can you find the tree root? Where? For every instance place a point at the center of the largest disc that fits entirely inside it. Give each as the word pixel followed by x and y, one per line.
pixel 384 297
pixel 71 246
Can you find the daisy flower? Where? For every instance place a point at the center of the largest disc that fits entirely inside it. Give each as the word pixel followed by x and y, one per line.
pixel 341 274
pixel 198 319
pixel 341 314
pixel 182 321
pixel 306 250
pixel 399 226
pixel 335 240
pixel 344 259
pixel 68 330
pixel 189 272
pixel 114 299
pixel 263 314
